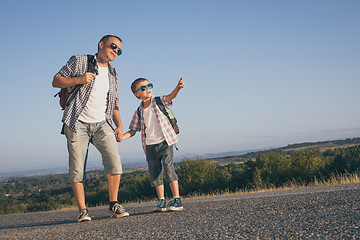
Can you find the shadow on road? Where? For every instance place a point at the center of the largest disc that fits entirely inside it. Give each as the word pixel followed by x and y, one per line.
pixel 15 226
pixel 61 222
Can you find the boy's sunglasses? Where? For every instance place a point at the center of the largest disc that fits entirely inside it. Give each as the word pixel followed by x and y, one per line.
pixel 114 46
pixel 144 87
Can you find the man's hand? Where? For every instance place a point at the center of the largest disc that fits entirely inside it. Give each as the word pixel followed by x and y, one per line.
pixel 118 134
pixel 86 78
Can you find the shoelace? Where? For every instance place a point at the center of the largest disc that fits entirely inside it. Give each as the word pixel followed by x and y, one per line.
pixel 160 202
pixel 172 202
pixel 83 213
pixel 118 208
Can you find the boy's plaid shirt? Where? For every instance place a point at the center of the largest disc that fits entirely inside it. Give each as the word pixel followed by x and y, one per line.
pixel 138 124
pixel 75 67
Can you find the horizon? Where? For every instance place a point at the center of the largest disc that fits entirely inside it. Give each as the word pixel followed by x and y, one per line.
pixel 141 163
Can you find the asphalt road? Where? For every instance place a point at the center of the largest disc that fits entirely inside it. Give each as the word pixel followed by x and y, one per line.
pixel 331 212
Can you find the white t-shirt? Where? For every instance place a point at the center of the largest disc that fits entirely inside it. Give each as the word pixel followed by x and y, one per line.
pixel 153 130
pixel 95 108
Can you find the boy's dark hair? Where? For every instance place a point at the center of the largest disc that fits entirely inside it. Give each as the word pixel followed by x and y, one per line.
pixel 134 83
pixel 106 38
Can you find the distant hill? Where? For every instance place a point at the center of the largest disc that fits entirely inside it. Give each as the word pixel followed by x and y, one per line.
pixel 218 158
pixel 289 149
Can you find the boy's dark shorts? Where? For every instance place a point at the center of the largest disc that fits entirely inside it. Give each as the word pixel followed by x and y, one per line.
pixel 160 159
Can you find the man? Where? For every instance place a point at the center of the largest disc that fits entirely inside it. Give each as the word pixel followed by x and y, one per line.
pixel 88 119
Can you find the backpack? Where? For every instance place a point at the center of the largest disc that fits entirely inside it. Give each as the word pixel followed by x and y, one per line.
pixel 65 96
pixel 167 112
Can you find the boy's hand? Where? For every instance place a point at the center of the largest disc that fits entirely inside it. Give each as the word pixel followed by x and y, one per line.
pixel 124 137
pixel 121 138
pixel 181 84
pixel 127 135
pixel 176 91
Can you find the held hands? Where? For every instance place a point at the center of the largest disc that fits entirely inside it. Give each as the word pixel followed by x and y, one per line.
pixel 126 135
pixel 120 136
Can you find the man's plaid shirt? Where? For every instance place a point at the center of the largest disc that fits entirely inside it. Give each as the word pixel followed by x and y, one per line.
pixel 75 67
pixel 138 124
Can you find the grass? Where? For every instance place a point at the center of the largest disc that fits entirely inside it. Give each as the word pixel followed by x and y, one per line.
pixel 338 179
pixel 335 179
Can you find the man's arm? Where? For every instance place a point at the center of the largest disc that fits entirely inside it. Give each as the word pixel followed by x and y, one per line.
pixel 63 82
pixel 176 91
pixel 118 123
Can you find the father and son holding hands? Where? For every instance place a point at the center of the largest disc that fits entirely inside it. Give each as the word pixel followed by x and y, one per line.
pixel 90 112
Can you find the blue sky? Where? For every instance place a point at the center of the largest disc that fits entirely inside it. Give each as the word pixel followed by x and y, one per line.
pixel 258 74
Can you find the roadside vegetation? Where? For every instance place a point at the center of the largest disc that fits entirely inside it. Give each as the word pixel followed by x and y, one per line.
pixel 269 170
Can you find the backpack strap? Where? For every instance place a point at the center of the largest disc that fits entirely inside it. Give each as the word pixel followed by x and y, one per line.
pixel 91 63
pixel 138 112
pixel 90 58
pixel 159 103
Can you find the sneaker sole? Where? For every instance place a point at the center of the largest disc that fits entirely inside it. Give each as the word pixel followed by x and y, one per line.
pixel 85 219
pixel 159 210
pixel 124 214
pixel 176 208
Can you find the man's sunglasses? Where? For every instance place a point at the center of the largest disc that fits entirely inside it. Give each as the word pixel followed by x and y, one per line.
pixel 114 46
pixel 144 87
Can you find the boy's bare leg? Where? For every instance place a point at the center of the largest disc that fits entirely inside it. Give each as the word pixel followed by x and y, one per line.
pixel 174 186
pixel 175 204
pixel 78 188
pixel 160 191
pixel 161 205
pixel 113 183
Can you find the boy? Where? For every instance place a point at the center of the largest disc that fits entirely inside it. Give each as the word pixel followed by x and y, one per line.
pixel 158 138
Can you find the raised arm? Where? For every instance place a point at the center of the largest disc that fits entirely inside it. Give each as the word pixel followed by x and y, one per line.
pixel 176 91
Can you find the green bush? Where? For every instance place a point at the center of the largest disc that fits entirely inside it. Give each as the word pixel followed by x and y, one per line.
pixel 200 176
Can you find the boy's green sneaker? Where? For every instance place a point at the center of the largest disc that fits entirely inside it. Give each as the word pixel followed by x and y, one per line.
pixel 175 205
pixel 161 206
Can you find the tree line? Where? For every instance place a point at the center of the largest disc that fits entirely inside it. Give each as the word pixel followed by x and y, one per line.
pixel 201 176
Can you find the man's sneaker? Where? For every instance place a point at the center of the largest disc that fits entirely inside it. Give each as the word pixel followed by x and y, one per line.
pixel 84 216
pixel 161 206
pixel 175 205
pixel 118 211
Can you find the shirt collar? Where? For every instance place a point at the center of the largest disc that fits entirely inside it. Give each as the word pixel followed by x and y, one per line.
pixel 110 66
